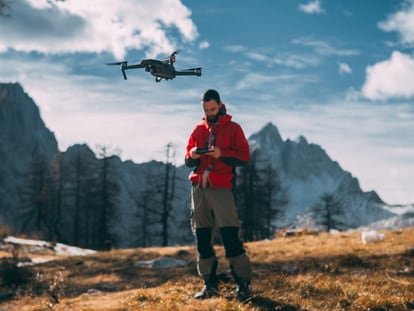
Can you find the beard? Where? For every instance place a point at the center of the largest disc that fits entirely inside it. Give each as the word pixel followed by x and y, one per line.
pixel 213 119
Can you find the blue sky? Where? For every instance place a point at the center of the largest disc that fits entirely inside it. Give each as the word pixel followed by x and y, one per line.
pixel 340 73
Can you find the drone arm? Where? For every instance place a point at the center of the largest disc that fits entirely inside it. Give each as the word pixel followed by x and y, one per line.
pixel 189 72
pixel 134 66
pixel 125 67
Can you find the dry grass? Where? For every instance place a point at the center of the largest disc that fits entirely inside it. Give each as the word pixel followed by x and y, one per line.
pixel 322 272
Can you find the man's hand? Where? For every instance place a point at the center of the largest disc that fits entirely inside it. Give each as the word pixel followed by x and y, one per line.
pixel 215 152
pixel 194 154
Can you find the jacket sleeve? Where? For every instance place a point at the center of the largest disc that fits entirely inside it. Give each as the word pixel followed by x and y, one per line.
pixel 240 153
pixel 188 160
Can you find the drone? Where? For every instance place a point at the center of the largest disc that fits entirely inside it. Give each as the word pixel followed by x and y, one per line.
pixel 160 69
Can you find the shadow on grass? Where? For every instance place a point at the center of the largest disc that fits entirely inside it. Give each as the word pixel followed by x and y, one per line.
pixel 267 304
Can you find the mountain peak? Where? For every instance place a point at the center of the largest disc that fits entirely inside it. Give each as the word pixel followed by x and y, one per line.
pixel 268 135
pixel 301 140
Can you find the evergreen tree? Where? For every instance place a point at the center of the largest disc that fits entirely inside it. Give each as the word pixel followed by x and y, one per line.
pixel 328 212
pixel 79 170
pixel 109 191
pixel 34 194
pixel 168 191
pixel 246 188
pixel 144 201
pixel 257 187
pixel 57 186
pixel 77 180
pixel 272 203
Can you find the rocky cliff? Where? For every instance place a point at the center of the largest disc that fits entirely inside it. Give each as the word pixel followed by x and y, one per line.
pixel 24 138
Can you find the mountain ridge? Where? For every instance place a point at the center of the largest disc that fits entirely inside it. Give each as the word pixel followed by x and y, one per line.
pixel 77 177
pixel 307 174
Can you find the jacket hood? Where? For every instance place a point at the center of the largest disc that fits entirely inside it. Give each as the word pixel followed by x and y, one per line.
pixel 223 109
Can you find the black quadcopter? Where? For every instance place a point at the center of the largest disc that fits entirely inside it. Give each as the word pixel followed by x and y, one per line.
pixel 160 69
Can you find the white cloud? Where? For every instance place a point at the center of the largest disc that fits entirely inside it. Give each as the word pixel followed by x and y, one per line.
pixel 235 48
pixel 282 85
pixel 392 78
pixel 344 68
pixel 254 81
pixel 258 56
pixel 313 7
pixel 204 45
pixel 325 49
pixel 352 95
pixel 401 22
pixel 291 60
pixel 96 26
pixel 298 61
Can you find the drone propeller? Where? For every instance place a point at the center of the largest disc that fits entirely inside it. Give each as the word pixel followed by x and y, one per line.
pixel 117 63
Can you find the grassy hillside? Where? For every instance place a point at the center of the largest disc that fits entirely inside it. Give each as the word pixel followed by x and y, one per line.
pixel 308 272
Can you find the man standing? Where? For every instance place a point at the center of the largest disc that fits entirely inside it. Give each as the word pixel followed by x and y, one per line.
pixel 215 147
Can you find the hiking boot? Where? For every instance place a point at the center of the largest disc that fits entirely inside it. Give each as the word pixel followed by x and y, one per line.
pixel 211 282
pixel 208 291
pixel 243 290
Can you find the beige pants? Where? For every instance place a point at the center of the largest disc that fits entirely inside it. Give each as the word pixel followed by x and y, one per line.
pixel 215 208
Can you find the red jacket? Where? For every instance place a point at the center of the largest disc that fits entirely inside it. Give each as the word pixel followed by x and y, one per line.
pixel 229 137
